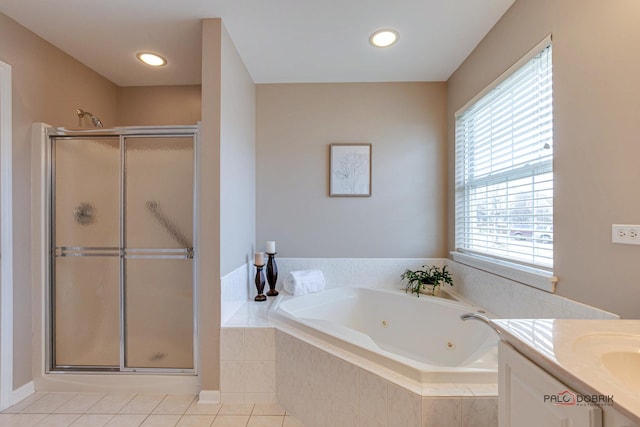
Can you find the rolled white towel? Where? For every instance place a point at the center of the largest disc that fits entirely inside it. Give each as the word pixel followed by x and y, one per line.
pixel 304 282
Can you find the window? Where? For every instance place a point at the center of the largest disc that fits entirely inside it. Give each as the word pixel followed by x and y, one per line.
pixel 504 168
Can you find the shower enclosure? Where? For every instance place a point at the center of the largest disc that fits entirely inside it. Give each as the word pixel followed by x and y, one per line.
pixel 121 238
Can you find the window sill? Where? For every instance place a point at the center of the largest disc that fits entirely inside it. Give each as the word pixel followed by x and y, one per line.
pixel 536 278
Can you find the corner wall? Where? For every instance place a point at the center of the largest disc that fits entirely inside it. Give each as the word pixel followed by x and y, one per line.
pixel 209 209
pixel 596 104
pixel 48 86
pixel 406 125
pixel 237 160
pixel 227 185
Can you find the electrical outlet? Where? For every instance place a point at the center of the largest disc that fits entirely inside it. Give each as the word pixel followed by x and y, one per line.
pixel 625 234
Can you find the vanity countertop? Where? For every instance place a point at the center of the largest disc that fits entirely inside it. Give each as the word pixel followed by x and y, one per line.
pixel 593 357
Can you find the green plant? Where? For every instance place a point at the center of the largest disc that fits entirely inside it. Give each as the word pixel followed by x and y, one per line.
pixel 429 276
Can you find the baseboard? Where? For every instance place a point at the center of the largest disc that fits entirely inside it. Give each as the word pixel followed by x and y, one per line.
pixel 209 396
pixel 23 392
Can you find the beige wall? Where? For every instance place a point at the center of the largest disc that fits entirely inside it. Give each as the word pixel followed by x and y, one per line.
pixel 404 122
pixel 596 104
pixel 227 163
pixel 159 105
pixel 48 86
pixel 209 207
pixel 237 160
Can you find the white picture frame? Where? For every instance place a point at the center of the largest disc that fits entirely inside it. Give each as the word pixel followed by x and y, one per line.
pixel 350 170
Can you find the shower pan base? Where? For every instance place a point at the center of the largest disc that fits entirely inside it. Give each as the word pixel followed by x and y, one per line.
pixel 108 383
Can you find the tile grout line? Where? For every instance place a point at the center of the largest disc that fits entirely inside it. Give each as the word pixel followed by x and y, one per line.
pixel 145 417
pixel 88 414
pixel 54 409
pixel 19 412
pixel 185 412
pixel 114 413
pixel 99 400
pixel 154 408
pixel 39 423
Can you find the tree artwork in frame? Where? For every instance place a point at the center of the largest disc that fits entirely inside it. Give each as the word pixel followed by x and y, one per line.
pixel 350 170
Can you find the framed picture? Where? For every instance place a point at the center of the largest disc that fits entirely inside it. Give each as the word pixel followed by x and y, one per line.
pixel 350 170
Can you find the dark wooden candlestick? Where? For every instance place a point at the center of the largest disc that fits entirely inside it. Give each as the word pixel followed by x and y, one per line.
pixel 272 274
pixel 259 283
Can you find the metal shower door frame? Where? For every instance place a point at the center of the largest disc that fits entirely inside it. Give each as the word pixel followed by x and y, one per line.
pixel 122 252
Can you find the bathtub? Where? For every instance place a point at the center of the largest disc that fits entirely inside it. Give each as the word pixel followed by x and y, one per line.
pixel 421 338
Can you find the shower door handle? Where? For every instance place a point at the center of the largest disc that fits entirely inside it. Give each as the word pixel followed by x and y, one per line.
pixel 95 251
pixel 179 253
pixel 86 251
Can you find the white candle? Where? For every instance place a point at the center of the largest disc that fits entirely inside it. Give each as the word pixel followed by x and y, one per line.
pixel 259 258
pixel 271 247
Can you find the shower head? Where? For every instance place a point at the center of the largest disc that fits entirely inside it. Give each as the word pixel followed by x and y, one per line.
pixel 95 120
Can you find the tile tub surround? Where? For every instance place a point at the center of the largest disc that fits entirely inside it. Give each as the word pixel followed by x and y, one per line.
pixel 237 287
pixel 234 291
pixel 369 272
pixel 503 297
pixel 322 389
pixel 247 365
pixel 254 359
pixel 508 299
pixel 285 380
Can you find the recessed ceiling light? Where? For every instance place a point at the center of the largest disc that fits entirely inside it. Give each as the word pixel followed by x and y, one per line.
pixel 384 38
pixel 151 59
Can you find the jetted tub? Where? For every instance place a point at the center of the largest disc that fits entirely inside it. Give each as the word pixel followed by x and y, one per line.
pixel 421 338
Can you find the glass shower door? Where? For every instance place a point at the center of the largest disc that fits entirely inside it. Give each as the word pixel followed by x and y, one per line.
pixel 86 257
pixel 158 252
pixel 121 296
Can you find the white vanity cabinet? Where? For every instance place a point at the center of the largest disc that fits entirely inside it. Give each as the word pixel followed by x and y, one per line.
pixel 522 389
pixel 542 361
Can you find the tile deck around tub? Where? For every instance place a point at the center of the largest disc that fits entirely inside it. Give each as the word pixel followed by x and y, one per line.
pixel 131 410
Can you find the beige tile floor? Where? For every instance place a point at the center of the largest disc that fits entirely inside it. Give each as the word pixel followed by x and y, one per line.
pixel 131 410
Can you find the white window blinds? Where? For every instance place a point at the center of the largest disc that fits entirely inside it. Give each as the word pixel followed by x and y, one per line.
pixel 504 168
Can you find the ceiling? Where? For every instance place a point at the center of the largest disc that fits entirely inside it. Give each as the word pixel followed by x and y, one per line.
pixel 280 41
